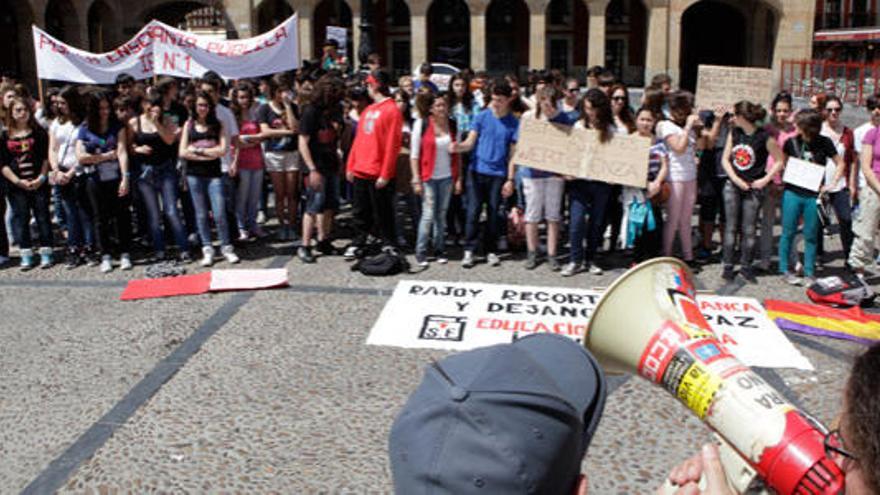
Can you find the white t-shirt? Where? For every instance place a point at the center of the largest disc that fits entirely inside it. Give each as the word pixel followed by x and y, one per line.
pixel 442 159
pixel 65 136
pixel 230 130
pixel 682 166
pixel 859 135
pixel 830 166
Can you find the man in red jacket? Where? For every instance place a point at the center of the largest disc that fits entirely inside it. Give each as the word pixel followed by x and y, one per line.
pixel 372 163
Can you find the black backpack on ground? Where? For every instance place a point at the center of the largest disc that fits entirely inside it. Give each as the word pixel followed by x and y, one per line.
pixel 389 261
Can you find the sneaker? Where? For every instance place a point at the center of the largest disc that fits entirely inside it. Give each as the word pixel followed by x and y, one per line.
pixel 305 254
pixel 207 256
pixel 125 262
pixel 261 217
pixel 468 261
pixel 325 247
pixel 554 263
pixel 71 260
pixel 106 264
pixel 243 235
pixel 422 260
pixel 193 239
pixel 749 274
pixel 703 253
pixel 228 253
pixel 594 269
pixel 694 266
pixel 502 244
pixel 351 252
pixel 27 259
pixel 532 260
pixel 45 258
pixel 791 278
pixel 728 273
pixel 442 259
pixel 90 257
pixel 260 233
pixel 570 269
pixel 493 260
pixel 185 257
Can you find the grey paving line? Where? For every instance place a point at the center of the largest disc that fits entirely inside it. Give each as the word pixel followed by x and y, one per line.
pixel 64 284
pixel 61 468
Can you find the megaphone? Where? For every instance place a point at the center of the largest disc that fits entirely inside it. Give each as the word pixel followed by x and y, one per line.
pixel 648 323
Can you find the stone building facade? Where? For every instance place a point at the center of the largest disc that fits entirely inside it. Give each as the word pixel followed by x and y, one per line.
pixel 636 38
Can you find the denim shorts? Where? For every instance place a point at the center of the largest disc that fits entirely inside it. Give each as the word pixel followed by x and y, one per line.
pixel 327 198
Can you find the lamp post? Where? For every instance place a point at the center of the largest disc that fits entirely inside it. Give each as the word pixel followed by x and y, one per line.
pixel 366 43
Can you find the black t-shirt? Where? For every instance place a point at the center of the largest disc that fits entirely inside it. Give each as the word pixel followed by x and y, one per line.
pixel 207 139
pixel 818 151
pixel 175 115
pixel 748 153
pixel 265 115
pixel 25 154
pixel 318 125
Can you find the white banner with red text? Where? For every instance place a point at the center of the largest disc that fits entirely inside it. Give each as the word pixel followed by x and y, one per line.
pixel 159 49
pixel 461 316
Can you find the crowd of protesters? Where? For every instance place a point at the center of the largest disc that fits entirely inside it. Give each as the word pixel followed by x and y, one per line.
pixel 170 168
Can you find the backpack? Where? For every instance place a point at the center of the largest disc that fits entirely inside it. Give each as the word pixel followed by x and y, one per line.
pixel 388 262
pixel 844 290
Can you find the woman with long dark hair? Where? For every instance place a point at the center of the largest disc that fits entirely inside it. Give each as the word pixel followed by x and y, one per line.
pixel 24 160
pixel 589 196
pixel 464 108
pixel 102 150
pixel 250 162
pixel 745 161
pixel 202 145
pixel 153 147
pixel 68 175
pixel 624 120
pixel 279 124
pixel 840 194
pixel 781 129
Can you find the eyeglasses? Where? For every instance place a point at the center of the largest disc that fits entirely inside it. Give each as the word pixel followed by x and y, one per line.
pixel 871 108
pixel 573 90
pixel 618 98
pixel 835 450
pixel 833 109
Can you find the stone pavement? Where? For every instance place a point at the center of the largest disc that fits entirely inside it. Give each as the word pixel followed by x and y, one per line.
pixel 275 391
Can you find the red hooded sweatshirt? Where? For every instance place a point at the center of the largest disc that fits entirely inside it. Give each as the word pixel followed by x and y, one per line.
pixel 377 143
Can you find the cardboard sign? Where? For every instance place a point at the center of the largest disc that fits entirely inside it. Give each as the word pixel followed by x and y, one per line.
pixel 802 173
pixel 721 86
pixel 161 49
pixel 579 153
pixel 461 316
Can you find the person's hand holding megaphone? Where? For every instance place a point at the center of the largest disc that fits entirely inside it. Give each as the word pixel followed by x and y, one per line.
pixel 704 468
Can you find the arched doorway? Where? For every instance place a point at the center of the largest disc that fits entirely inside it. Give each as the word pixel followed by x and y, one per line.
pixel 332 13
pixel 171 13
pixel 626 34
pixel 726 32
pixel 566 46
pixel 15 36
pixel 271 13
pixel 62 21
pixel 394 30
pixel 507 36
pixel 100 21
pixel 449 33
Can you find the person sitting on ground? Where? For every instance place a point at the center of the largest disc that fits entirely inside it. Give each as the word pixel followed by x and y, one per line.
pixel 510 418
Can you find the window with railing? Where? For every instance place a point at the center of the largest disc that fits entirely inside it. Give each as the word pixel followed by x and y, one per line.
pixel 857 15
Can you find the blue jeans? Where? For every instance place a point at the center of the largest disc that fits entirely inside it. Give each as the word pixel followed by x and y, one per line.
pixel 435 202
pixel 153 183
pixel 586 197
pixel 74 202
pixel 247 198
pixel 324 199
pixel 482 190
pixel 24 203
pixel 795 205
pixel 204 190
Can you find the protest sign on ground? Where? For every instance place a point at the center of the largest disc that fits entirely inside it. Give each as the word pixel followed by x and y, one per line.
pixel 461 316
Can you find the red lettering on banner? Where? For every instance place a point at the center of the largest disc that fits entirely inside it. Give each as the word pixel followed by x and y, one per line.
pixel 728 340
pixel 146 61
pixel 562 328
pixel 93 60
pixel 733 307
pixel 56 47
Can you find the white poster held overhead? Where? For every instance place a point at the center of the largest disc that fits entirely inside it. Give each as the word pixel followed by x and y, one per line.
pixel 461 316
pixel 340 34
pixel 162 49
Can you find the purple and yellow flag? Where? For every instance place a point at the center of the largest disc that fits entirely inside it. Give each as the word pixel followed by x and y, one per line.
pixel 848 324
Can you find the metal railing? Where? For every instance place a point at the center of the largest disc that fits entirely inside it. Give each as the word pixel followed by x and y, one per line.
pixel 853 82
